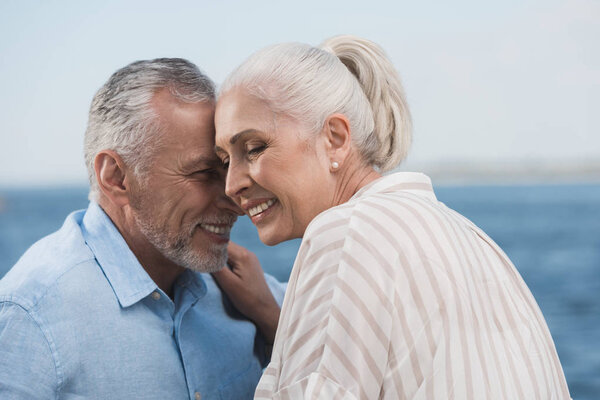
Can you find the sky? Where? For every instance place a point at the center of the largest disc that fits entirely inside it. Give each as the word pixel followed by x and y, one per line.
pixel 487 82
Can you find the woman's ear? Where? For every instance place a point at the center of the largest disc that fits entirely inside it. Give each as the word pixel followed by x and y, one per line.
pixel 111 177
pixel 338 139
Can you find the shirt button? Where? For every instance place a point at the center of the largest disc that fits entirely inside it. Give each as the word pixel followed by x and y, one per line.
pixel 155 295
pixel 197 396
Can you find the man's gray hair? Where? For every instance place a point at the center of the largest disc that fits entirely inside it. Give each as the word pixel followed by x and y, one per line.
pixel 121 116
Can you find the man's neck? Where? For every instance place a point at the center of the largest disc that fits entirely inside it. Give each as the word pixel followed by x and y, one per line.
pixel 161 270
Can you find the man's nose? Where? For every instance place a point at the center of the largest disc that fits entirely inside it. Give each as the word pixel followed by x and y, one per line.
pixel 225 203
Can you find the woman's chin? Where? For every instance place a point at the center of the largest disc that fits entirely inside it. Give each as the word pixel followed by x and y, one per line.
pixel 273 234
pixel 271 238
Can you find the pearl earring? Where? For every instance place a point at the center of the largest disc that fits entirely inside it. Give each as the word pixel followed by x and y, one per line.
pixel 335 165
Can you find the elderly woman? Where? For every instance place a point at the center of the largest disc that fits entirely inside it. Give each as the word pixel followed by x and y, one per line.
pixel 392 295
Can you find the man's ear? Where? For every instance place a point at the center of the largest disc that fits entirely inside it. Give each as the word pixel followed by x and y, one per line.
pixel 338 139
pixel 111 177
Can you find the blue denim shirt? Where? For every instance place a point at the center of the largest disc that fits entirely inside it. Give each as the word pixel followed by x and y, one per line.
pixel 80 318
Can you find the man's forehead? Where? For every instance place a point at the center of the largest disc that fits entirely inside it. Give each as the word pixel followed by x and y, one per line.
pixel 181 117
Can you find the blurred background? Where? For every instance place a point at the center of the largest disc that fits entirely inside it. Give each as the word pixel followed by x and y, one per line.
pixel 504 95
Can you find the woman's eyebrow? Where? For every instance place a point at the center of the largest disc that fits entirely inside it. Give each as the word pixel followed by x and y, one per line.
pixel 241 134
pixel 235 138
pixel 219 150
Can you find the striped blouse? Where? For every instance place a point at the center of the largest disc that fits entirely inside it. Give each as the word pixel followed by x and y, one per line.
pixel 395 296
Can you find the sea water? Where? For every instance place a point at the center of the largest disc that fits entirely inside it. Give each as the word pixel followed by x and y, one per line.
pixel 550 232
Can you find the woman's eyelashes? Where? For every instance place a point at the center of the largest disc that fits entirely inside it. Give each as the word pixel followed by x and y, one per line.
pixel 224 162
pixel 251 152
pixel 223 158
pixel 254 151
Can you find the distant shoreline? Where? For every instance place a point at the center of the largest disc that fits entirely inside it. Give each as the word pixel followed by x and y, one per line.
pixel 510 172
pixel 444 173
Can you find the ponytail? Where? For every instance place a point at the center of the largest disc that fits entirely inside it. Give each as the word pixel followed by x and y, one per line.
pixel 347 75
pixel 381 84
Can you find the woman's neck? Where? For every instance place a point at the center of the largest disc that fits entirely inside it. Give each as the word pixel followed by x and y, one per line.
pixel 351 180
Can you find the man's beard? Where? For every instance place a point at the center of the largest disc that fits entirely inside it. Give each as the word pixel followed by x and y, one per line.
pixel 178 246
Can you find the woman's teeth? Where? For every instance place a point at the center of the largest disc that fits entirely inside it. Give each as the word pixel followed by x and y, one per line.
pixel 214 228
pixel 261 207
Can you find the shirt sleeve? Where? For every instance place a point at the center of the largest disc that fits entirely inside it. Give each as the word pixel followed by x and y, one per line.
pixel 278 290
pixel 27 368
pixel 338 323
pixel 314 387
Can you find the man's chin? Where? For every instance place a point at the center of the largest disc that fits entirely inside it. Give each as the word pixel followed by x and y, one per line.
pixel 205 263
pixel 204 269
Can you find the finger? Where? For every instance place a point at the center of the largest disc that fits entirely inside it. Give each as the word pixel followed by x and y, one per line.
pixel 235 252
pixel 225 278
pixel 233 245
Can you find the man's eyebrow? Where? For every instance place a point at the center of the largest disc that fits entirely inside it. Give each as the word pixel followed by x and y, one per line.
pixel 201 160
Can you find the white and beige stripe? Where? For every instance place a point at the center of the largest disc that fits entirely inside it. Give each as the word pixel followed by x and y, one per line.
pixel 395 296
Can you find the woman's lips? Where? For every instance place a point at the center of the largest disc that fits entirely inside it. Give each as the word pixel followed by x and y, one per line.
pixel 257 210
pixel 252 211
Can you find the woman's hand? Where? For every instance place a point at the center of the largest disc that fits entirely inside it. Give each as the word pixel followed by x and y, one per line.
pixel 245 285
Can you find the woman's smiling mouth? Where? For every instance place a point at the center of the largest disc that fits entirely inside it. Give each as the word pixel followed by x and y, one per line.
pixel 258 209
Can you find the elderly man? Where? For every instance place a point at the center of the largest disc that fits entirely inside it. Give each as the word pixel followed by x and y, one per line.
pixel 118 304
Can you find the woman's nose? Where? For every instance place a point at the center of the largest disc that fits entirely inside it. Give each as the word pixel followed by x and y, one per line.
pixel 237 180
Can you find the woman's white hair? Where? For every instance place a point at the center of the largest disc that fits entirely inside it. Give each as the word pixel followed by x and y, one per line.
pixel 122 118
pixel 346 75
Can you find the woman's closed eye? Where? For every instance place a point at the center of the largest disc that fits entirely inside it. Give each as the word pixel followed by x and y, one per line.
pixel 255 150
pixel 223 158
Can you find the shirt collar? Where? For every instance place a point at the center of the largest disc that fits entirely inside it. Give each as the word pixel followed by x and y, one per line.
pixel 128 278
pixel 410 182
pixel 194 282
